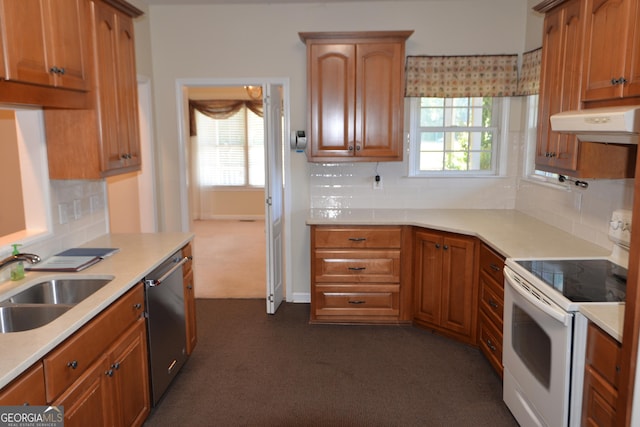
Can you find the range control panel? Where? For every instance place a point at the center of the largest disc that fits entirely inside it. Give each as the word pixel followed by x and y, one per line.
pixel 620 227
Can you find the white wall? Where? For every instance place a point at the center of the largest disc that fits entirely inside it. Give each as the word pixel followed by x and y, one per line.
pixel 235 41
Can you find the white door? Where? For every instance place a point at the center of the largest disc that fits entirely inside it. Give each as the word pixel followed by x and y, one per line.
pixel 273 195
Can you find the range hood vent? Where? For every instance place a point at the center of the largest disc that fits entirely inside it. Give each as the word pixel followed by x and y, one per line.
pixel 616 125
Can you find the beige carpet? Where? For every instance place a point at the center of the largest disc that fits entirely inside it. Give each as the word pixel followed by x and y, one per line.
pixel 229 259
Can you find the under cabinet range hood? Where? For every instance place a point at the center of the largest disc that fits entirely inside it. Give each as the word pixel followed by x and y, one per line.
pixel 616 125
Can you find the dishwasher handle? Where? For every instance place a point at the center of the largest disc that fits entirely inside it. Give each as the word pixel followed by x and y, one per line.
pixel 157 282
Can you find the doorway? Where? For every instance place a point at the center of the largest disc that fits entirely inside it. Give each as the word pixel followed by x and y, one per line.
pixel 264 238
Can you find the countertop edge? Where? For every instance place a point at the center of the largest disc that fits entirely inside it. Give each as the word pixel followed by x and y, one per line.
pixel 31 346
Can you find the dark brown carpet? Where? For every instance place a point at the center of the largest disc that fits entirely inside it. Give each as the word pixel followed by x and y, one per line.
pixel 253 369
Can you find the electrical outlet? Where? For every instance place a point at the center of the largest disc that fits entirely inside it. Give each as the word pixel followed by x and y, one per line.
pixel 77 209
pixel 377 182
pixel 62 213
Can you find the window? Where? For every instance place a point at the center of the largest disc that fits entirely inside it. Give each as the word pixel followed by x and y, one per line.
pixel 530 170
pixel 455 136
pixel 231 151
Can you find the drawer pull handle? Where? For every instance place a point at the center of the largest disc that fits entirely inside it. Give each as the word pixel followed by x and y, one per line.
pixel 493 304
pixel 356 268
pixel 495 267
pixel 491 346
pixel 357 239
pixel 109 373
pixel 357 302
pixel 116 366
pixel 137 306
pixel 73 364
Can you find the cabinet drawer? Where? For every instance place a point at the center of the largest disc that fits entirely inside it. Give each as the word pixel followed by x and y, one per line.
pixel 355 301
pixel 71 359
pixel 491 342
pixel 357 266
pixel 491 299
pixel 491 263
pixel 27 389
pixel 187 252
pixel 358 237
pixel 603 354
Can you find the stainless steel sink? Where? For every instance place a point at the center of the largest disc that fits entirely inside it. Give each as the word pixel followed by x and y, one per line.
pixel 18 318
pixel 58 291
pixel 45 301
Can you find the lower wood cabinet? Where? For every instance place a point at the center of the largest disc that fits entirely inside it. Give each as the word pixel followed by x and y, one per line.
pixel 27 389
pixel 358 274
pixel 189 299
pixel 491 306
pixel 601 378
pixel 114 391
pixel 444 280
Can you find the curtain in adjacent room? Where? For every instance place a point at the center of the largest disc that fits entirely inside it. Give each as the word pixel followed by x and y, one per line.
pixel 461 76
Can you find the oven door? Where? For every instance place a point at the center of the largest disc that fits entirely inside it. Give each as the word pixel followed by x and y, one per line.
pixel 536 355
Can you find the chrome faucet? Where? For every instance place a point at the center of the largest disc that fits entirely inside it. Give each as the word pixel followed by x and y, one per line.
pixel 30 258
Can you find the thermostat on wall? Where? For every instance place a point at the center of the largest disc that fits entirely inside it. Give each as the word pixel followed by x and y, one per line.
pixel 298 140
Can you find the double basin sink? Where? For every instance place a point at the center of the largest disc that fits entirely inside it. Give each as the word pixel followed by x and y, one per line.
pixel 45 301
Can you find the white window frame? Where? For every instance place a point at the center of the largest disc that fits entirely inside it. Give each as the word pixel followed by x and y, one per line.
pixel 499 156
pixel 531 139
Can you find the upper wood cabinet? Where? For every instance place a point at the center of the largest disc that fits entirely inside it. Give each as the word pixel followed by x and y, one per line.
pixel 355 84
pixel 563 77
pixel 612 49
pixel 46 42
pixel 104 139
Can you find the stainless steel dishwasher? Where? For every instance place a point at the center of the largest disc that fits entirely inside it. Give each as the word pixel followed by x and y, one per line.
pixel 166 328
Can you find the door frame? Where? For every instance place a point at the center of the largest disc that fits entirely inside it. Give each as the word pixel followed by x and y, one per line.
pixel 182 104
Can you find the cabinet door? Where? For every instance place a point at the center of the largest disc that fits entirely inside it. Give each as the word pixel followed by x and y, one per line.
pixel 332 99
pixel 606 44
pixel 427 276
pixel 459 301
pixel 67 36
pixel 190 312
pixel 632 87
pixel 560 80
pixel 106 62
pixel 128 372
pixel 379 109
pixel 23 30
pixel 129 132
pixel 599 400
pixel 88 401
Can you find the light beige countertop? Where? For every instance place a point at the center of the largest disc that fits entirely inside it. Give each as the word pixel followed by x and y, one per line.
pixel 138 255
pixel 511 233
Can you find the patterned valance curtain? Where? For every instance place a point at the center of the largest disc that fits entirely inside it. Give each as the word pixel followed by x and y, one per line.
pixel 220 109
pixel 529 82
pixel 461 76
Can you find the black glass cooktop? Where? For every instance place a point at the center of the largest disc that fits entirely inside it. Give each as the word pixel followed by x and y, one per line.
pixel 591 280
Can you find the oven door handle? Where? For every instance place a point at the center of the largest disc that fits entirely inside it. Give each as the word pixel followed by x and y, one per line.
pixel 558 314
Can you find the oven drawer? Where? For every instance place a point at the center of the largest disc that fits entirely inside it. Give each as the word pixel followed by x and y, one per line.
pixel 357 266
pixel 358 237
pixel 491 263
pixel 353 300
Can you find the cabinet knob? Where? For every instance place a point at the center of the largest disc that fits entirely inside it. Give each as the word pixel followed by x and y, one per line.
pixel 137 306
pixel 73 364
pixel 437 245
pixel 109 373
pixel 495 267
pixel 358 147
pixel 351 148
pixel 491 346
pixel 492 303
pixel 116 366
pixel 445 247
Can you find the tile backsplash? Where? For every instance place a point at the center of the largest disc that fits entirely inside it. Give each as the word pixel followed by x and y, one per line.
pixel 78 214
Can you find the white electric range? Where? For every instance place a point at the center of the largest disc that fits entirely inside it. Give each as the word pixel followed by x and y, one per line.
pixel 545 337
